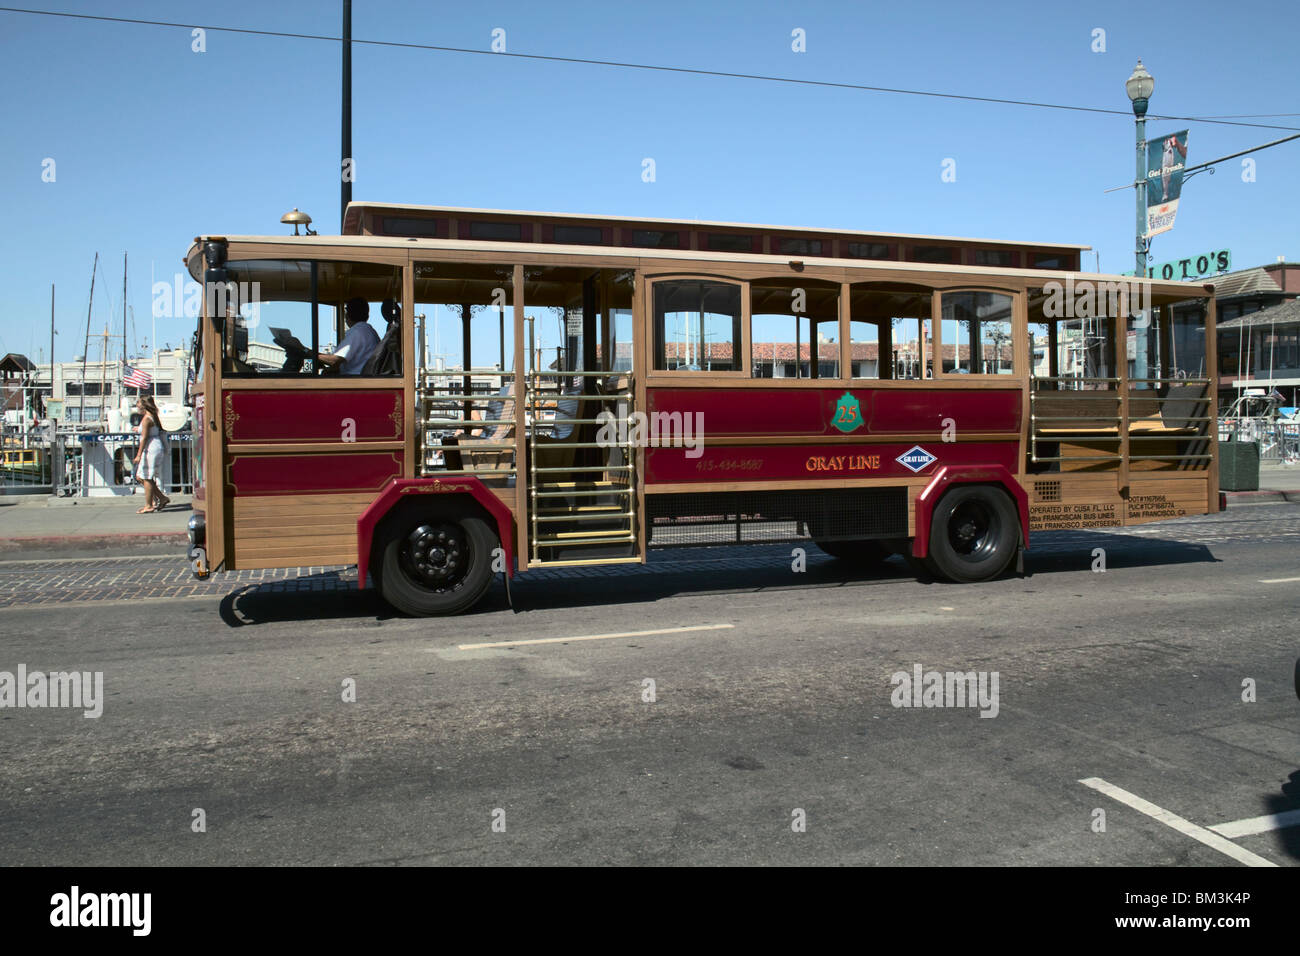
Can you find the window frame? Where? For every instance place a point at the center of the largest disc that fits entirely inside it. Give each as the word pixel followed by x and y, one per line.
pixel 741 347
pixel 1019 332
pixel 826 284
pixel 337 254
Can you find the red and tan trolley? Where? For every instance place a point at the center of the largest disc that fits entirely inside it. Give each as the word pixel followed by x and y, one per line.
pixel 629 384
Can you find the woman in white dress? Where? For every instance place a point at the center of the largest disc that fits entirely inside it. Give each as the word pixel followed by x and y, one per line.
pixel 149 456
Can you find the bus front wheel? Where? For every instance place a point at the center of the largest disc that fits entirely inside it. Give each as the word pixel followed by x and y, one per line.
pixel 974 533
pixel 437 564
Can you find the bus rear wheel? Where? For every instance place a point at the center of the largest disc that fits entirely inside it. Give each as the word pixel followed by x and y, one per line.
pixel 864 551
pixel 437 564
pixel 974 533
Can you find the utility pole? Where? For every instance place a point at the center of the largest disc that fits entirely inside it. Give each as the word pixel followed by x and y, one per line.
pixel 345 164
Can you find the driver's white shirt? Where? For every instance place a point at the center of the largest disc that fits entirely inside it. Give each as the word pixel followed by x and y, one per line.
pixel 357 346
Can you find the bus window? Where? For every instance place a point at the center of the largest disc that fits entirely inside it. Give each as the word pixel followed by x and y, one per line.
pixel 1078 350
pixel 888 328
pixel 620 333
pixel 697 326
pixel 794 329
pixel 1187 344
pixel 912 345
pixel 269 312
pixel 976 333
pixel 1146 333
pixel 864 349
pixel 616 354
pixel 1040 350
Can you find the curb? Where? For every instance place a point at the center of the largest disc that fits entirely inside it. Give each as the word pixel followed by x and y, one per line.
pixel 1262 497
pixel 93 542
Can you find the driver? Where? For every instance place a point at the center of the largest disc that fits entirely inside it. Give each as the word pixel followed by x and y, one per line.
pixel 358 344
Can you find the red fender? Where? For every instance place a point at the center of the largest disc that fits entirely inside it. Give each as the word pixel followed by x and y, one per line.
pixel 401 488
pixel 950 475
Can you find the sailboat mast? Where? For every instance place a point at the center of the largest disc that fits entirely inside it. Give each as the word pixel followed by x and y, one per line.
pixel 85 348
pixel 103 380
pixel 53 423
pixel 125 357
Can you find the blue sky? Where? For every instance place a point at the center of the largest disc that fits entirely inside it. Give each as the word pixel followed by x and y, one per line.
pixel 154 143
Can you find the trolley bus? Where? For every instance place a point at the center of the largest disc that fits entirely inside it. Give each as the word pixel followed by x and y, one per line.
pixel 629 384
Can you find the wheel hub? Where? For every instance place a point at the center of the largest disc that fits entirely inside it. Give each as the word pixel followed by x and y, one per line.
pixel 970 530
pixel 435 556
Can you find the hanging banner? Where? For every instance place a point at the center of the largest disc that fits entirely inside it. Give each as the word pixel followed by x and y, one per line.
pixel 1166 158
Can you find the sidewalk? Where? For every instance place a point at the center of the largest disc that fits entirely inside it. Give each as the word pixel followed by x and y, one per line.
pixel 39 523
pixel 1277 483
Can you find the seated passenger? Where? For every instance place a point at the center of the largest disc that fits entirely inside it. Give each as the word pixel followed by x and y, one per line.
pixel 567 408
pixel 387 358
pixel 497 409
pixel 358 344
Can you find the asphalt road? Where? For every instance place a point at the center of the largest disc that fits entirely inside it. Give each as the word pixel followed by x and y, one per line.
pixel 228 696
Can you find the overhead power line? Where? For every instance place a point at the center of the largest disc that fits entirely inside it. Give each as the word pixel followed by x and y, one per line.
pixel 829 84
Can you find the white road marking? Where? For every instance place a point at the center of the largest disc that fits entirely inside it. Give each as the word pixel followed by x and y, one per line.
pixel 1274 821
pixel 597 637
pixel 1185 827
pixel 1278 580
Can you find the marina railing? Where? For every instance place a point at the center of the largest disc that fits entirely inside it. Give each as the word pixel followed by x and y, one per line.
pixel 39 465
pixel 1278 439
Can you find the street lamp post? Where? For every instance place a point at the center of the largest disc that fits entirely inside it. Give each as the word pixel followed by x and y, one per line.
pixel 1139 87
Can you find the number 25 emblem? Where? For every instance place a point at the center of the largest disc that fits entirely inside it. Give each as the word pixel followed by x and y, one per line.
pixel 848 414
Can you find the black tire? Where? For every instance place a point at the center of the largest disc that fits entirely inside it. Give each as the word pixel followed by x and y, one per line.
pixel 974 534
pixel 435 564
pixel 865 552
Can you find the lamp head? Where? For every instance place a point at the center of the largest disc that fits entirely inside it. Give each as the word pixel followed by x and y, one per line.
pixel 1139 87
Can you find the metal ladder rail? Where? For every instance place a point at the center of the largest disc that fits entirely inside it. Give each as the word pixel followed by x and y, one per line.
pixel 541 490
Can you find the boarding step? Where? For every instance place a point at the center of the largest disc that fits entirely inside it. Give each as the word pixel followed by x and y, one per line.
pixel 579 553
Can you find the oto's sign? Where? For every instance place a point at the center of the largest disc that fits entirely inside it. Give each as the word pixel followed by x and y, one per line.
pixel 1193 267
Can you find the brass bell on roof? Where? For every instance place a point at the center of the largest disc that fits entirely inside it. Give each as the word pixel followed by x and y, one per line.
pixel 296 219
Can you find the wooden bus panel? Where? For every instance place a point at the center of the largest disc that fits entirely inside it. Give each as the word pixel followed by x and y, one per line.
pixel 301 464
pixel 810 410
pixel 1154 498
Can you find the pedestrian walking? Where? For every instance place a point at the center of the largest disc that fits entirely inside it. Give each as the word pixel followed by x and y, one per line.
pixel 149 456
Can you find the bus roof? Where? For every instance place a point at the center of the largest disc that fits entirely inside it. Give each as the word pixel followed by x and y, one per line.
pixel 367 218
pixel 515 251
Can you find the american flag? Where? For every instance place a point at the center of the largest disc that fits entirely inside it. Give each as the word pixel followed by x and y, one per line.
pixel 135 378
